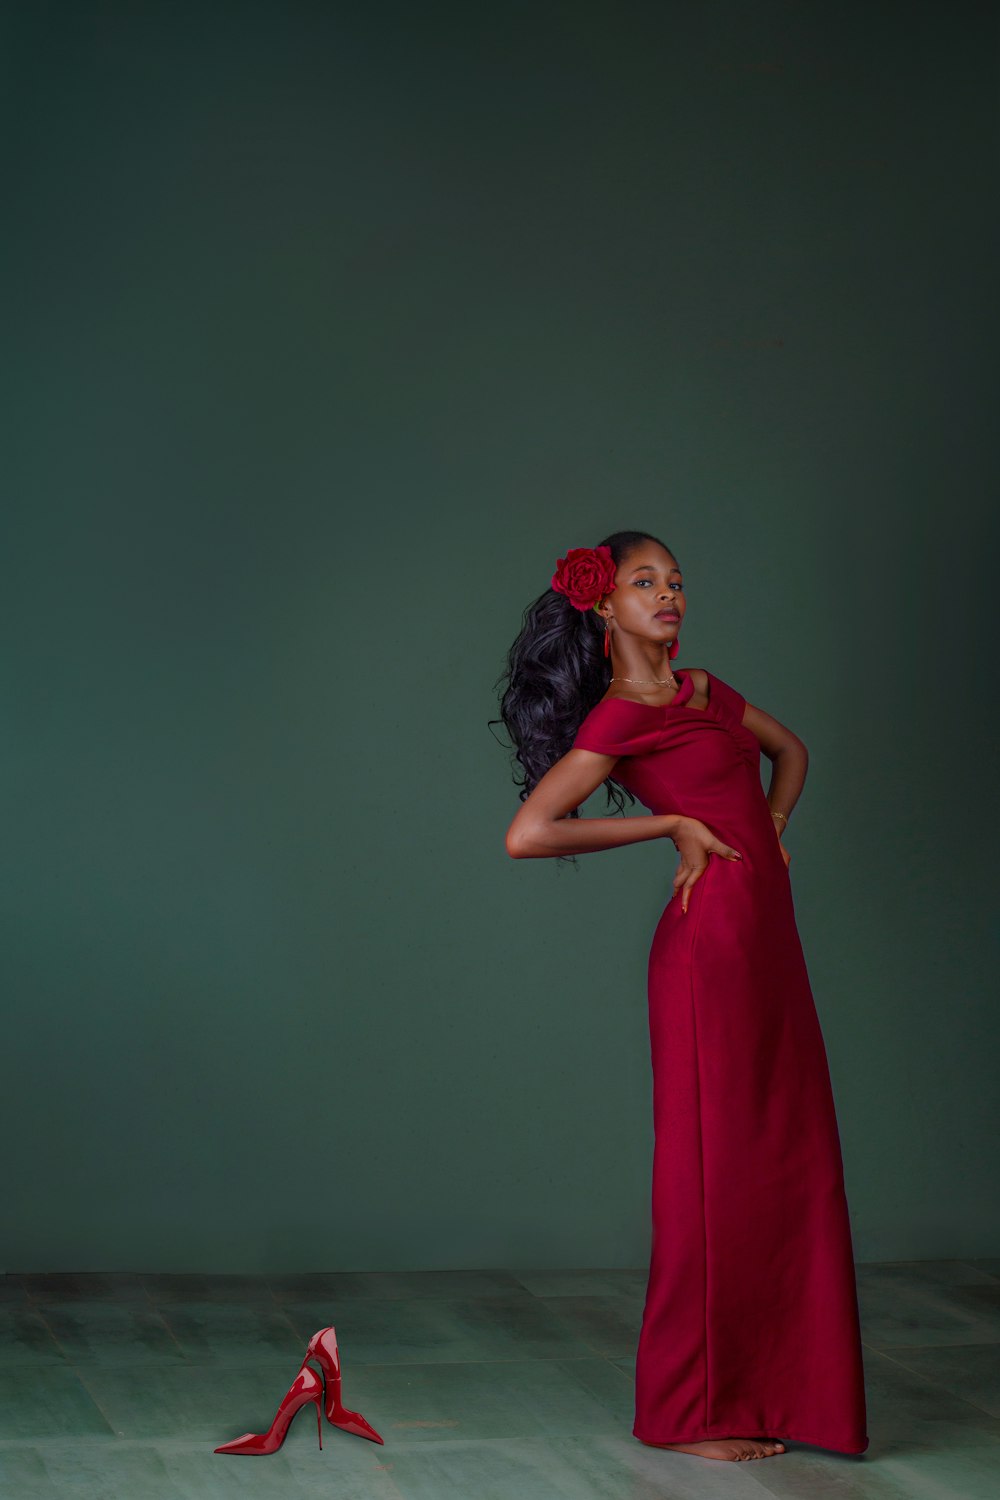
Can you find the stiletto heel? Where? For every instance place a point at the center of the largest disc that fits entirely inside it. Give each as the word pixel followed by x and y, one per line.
pixel 323 1349
pixel 307 1386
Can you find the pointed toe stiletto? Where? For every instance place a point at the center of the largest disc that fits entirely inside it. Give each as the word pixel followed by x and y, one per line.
pixel 323 1349
pixel 305 1388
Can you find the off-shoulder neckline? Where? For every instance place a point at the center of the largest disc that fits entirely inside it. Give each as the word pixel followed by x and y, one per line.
pixel 679 700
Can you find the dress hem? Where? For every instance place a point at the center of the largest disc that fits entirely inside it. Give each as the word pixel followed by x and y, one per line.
pixel 772 1432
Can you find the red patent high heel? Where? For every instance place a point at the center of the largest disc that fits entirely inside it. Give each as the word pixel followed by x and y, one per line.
pixel 307 1386
pixel 323 1349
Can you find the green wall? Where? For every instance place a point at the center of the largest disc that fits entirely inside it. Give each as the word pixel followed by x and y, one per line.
pixel 328 328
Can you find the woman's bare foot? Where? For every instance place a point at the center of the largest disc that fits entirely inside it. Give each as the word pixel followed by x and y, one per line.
pixel 731 1448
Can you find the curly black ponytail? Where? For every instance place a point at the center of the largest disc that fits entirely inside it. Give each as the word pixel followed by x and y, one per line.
pixel 556 671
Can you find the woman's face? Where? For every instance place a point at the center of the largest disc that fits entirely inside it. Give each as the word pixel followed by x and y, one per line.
pixel 648 597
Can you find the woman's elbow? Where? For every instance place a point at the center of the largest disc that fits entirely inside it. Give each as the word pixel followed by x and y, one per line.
pixel 521 842
pixel 515 842
pixel 791 744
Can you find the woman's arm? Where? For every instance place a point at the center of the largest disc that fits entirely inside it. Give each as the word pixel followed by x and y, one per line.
pixel 542 828
pixel 789 761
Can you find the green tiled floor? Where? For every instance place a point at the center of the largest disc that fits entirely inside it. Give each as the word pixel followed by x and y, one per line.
pixel 486 1385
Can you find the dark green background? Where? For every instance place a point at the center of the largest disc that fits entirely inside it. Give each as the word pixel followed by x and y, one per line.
pixel 328 328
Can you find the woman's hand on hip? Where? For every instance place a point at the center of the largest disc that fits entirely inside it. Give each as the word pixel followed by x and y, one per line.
pixel 695 842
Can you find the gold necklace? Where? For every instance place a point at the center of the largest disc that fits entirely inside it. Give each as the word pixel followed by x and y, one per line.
pixel 660 681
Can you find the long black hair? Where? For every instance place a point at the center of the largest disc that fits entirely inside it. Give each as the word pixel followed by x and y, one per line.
pixel 556 671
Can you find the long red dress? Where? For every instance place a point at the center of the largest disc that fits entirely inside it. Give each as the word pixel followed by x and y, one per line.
pixel 750 1326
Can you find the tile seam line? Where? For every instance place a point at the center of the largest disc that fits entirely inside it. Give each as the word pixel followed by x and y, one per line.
pixel 241 1363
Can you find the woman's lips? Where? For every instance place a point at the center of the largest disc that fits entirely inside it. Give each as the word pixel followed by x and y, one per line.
pixel 666 615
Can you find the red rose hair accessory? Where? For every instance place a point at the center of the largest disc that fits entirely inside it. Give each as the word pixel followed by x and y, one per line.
pixel 585 575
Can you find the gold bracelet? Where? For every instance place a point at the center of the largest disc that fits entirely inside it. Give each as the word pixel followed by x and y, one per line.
pixel 779 815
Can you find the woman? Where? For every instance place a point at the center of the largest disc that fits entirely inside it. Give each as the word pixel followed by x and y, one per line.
pixel 750 1329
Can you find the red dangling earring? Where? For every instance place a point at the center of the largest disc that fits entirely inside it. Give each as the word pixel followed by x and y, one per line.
pixel 607 638
pixel 675 646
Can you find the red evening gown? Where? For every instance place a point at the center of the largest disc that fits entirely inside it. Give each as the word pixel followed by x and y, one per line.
pixel 750 1326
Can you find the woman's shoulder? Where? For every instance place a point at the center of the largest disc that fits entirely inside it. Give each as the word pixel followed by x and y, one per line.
pixel 722 696
pixel 700 677
pixel 619 727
